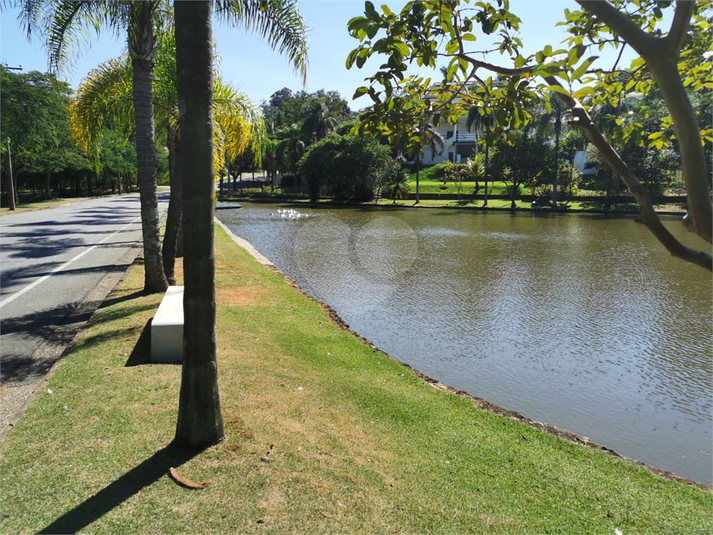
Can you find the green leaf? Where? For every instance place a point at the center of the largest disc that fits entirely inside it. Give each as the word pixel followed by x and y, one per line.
pixel 370 12
pixel 351 57
pixel 403 48
pixel 577 74
pixel 360 91
pixel 357 23
pixel 583 92
pixel 559 89
pixel 468 37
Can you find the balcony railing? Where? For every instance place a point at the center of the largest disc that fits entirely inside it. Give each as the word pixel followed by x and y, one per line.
pixel 459 137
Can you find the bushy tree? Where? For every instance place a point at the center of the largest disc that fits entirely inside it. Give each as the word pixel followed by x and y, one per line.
pixel 523 160
pixel 33 125
pixel 349 167
pixel 285 108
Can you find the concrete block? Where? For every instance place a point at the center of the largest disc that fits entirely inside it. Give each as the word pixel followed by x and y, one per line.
pixel 167 328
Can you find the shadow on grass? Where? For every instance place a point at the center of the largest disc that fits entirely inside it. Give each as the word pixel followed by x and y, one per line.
pixel 141 354
pixel 116 493
pixel 128 297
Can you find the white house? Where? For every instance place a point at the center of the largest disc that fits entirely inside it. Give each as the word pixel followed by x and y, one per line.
pixel 459 144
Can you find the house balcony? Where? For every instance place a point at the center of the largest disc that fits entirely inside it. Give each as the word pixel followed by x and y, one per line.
pixel 459 138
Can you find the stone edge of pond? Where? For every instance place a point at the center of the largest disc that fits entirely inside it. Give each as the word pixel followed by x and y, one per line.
pixel 479 402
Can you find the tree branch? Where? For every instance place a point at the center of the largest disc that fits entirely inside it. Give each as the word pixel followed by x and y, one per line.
pixel 621 24
pixel 679 26
pixel 649 217
pixel 505 71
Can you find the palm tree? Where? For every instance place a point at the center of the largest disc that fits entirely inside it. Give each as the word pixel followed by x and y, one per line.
pixel 429 137
pixel 318 123
pixel 105 96
pixel 290 148
pixel 200 421
pixel 270 161
pixel 397 187
pixel 553 120
pixel 66 23
pixel 479 119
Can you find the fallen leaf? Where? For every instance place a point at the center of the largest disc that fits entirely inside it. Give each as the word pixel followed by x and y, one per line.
pixel 186 482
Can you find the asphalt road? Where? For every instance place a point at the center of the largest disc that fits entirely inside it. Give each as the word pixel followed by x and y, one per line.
pixel 56 266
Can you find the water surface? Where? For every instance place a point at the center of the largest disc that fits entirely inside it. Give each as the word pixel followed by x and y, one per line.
pixel 581 321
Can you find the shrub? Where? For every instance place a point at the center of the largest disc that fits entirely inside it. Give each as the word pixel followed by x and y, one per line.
pixel 348 167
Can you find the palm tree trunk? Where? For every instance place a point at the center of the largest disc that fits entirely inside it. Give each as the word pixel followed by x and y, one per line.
pixel 418 183
pixel 487 155
pixel 175 208
pixel 141 48
pixel 558 128
pixel 200 422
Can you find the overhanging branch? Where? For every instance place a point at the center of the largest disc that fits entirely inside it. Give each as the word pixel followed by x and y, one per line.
pixel 621 24
pixel 648 214
pixel 679 26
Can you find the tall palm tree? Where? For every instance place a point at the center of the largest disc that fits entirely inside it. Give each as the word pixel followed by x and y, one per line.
pixel 318 123
pixel 428 137
pixel 200 421
pixel 290 148
pixel 478 119
pixel 66 23
pixel 105 96
pixel 553 119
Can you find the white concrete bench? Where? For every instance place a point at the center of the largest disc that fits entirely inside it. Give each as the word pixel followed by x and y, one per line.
pixel 167 328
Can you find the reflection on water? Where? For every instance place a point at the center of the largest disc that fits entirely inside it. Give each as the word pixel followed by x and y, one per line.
pixel 584 322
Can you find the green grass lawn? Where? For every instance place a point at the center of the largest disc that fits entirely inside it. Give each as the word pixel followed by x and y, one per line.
pixel 325 434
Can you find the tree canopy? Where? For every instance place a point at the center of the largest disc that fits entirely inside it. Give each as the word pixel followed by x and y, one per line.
pixel 676 60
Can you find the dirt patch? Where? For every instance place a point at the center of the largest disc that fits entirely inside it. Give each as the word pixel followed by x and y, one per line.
pixel 240 297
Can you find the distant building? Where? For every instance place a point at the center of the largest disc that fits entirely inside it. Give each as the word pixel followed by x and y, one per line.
pixel 459 144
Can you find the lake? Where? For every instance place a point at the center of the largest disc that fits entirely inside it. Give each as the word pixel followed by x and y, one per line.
pixel 581 321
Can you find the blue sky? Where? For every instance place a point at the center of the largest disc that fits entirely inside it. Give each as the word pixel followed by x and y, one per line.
pixel 254 68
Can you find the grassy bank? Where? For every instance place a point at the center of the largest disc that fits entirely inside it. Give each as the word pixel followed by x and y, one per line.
pixel 324 434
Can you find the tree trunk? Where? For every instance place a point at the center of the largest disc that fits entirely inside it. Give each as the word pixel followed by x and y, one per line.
pixel 487 155
pixel 10 184
pixel 200 422
pixel 558 128
pixel 175 208
pixel 48 193
pixel 418 183
pixel 142 44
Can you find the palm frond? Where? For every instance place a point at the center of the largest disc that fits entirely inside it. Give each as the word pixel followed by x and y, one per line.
pixel 238 119
pixel 104 95
pixel 69 26
pixel 30 16
pixel 277 21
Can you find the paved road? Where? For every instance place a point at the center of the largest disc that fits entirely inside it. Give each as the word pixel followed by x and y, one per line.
pixel 56 267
